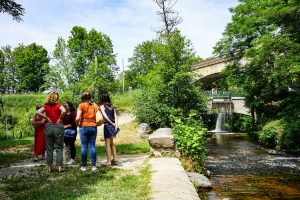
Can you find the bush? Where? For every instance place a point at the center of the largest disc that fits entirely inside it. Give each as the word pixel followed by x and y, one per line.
pixel 189 136
pixel 271 134
pixel 241 123
pixel 290 139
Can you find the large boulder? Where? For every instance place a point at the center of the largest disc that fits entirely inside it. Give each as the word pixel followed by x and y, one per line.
pixel 144 130
pixel 199 180
pixel 161 142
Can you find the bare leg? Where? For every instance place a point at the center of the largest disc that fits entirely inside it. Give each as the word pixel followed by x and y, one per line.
pixel 108 151
pixel 113 149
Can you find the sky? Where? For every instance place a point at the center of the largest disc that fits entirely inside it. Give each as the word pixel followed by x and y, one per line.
pixel 127 22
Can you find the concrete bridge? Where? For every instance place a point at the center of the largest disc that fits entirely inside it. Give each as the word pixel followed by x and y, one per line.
pixel 209 71
pixel 229 104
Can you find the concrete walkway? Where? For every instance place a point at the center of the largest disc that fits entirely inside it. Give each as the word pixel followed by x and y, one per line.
pixel 170 181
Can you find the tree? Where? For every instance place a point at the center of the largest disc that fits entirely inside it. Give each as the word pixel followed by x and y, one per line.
pixel 168 87
pixel 9 71
pixel 169 17
pixel 87 60
pixel 63 74
pixel 141 63
pixel 266 35
pixel 32 64
pixel 14 9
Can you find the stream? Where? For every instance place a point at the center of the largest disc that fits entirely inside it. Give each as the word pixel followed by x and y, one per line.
pixel 241 169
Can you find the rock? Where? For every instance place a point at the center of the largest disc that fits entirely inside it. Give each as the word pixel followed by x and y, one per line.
pixel 199 180
pixel 162 138
pixel 155 154
pixel 144 130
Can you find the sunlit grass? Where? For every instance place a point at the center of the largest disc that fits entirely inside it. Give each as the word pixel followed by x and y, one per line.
pixel 124 102
pixel 105 183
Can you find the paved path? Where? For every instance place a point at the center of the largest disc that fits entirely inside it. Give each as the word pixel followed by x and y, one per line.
pixel 170 181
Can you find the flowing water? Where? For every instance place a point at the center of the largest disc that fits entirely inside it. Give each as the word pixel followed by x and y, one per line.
pixel 245 170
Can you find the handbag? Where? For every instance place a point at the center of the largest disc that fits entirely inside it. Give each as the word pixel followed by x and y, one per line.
pixel 99 117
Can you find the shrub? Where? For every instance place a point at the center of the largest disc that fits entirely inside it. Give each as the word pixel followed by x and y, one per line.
pixel 271 134
pixel 241 123
pixel 189 136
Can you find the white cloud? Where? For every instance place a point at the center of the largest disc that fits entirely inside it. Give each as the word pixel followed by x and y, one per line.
pixel 127 22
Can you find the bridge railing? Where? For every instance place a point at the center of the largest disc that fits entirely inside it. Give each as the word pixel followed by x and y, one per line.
pixel 222 94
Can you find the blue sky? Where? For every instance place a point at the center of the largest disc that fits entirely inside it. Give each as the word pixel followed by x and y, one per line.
pixel 127 22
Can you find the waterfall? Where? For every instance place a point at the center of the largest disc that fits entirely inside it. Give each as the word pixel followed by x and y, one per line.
pixel 223 108
pixel 220 122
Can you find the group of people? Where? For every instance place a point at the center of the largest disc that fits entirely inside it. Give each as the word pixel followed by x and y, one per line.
pixel 56 125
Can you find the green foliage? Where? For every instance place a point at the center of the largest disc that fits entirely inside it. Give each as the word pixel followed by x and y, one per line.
pixel 271 133
pixel 168 87
pixel 125 101
pixel 241 123
pixel 189 136
pixel 14 9
pixel 18 110
pixel 263 40
pixel 24 69
pixel 92 58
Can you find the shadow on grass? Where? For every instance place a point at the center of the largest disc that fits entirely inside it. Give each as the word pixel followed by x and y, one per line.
pixel 105 183
pixel 10 158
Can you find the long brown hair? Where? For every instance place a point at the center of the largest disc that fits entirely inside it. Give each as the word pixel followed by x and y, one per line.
pixel 52 99
pixel 86 97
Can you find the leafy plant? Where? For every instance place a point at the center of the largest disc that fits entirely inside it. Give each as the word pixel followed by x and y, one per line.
pixel 189 136
pixel 271 133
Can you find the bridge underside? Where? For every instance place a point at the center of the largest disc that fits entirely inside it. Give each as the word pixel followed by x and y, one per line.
pixel 208 80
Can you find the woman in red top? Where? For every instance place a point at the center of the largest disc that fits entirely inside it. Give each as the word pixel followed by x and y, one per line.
pixel 39 136
pixel 54 112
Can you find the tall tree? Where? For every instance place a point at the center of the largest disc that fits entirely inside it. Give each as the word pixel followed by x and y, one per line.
pixel 168 86
pixel 10 71
pixel 32 63
pixel 265 34
pixel 141 63
pixel 92 62
pixel 168 15
pixel 14 9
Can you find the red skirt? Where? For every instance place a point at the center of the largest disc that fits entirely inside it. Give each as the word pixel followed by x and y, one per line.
pixel 39 139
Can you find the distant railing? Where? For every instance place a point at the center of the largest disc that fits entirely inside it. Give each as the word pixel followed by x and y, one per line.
pixel 222 94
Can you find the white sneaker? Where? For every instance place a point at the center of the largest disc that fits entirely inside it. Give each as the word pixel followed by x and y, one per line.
pixel 83 169
pixel 71 162
pixel 94 168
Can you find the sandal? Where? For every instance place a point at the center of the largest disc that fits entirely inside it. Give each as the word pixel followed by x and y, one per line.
pixel 35 159
pixel 114 162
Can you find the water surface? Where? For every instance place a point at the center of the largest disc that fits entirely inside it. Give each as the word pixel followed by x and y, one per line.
pixel 245 170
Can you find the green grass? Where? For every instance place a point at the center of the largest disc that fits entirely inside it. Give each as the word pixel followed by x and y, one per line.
pixel 105 183
pixel 125 102
pixel 13 151
pixel 18 104
pixel 16 142
pixel 127 149
pixel 10 158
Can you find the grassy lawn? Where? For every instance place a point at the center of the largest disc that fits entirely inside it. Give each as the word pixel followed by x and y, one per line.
pixel 105 183
pixel 12 151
